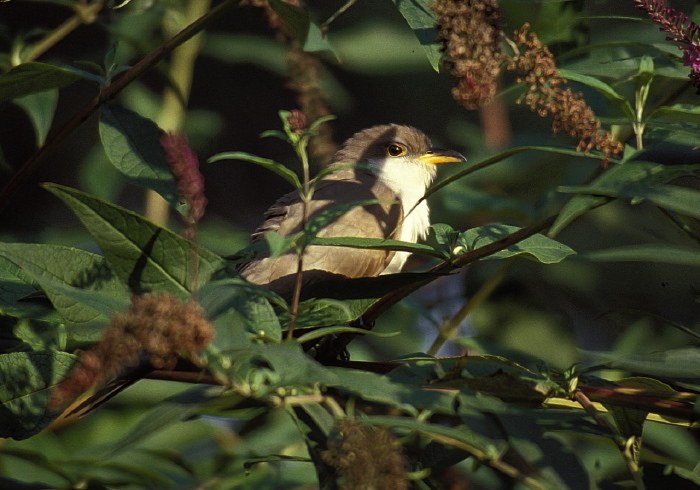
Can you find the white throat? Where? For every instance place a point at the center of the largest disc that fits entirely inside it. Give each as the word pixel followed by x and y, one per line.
pixel 409 180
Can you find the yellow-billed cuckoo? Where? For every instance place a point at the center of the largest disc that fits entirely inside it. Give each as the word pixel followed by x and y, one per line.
pixel 396 166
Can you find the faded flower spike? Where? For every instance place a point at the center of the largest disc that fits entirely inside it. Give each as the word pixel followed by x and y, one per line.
pixel 185 167
pixel 470 34
pixel 680 29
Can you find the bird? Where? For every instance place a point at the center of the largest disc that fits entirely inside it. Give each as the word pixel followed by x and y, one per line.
pixel 393 165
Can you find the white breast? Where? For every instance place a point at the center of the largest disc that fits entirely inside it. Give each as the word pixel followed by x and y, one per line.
pixel 409 180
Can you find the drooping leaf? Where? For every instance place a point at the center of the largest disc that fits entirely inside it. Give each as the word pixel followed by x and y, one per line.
pixel 272 165
pixel 143 255
pixel 537 247
pixel 676 363
pixel 614 180
pixel 40 107
pixel 422 20
pixel 658 252
pixel 26 379
pixel 33 77
pixel 132 144
pixel 679 199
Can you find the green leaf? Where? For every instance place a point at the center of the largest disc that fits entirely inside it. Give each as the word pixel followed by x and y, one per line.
pixel 499 157
pixel 676 109
pixel 665 253
pixel 422 20
pixel 537 247
pixel 26 379
pixel 40 107
pixel 239 310
pixel 16 289
pixel 320 313
pixel 132 144
pixel 677 363
pixel 33 77
pixel 297 20
pixel 79 284
pixel 377 244
pixel 278 244
pixel 272 165
pixel 603 88
pixel 614 179
pixel 143 255
pixel 174 409
pixel 679 199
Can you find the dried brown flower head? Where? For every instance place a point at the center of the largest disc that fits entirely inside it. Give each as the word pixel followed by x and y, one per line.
pixel 546 95
pixel 156 328
pixel 366 458
pixel 470 34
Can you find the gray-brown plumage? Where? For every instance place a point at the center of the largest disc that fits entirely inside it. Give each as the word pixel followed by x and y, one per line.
pixel 399 166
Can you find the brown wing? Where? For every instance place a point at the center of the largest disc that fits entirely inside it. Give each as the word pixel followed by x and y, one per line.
pixel 320 262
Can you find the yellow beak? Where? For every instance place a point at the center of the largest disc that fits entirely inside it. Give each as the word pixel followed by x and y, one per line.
pixel 437 155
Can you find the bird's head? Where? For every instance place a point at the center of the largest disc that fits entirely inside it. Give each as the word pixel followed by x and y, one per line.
pixel 397 154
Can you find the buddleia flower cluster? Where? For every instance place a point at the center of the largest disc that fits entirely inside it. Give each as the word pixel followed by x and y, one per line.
pixel 680 29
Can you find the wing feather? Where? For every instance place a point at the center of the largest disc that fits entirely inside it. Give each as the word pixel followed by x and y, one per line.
pixel 324 262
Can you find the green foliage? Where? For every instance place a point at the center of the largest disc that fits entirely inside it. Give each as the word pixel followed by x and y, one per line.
pixel 543 396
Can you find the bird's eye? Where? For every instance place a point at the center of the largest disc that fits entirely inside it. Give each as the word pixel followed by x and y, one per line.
pixel 395 150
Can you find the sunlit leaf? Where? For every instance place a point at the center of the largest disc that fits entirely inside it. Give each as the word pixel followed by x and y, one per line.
pixel 143 255
pixel 537 247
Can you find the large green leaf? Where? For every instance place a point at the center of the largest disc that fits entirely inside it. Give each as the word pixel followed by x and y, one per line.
pixel 79 284
pixel 240 310
pixel 30 78
pixel 537 247
pixel 26 379
pixel 679 199
pixel 614 180
pixel 132 144
pixel 678 363
pixel 422 20
pixel 143 255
